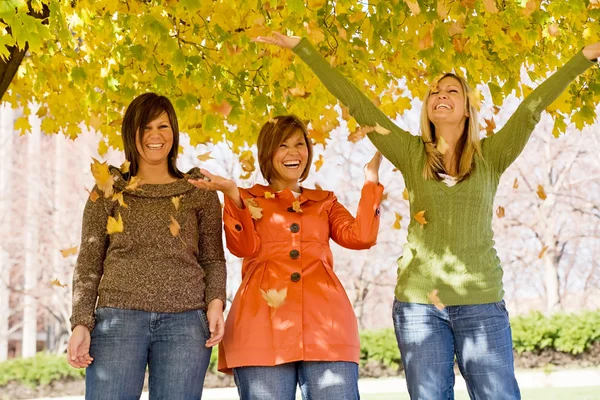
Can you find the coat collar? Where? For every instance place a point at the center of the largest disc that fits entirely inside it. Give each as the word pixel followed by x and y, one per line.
pixel 307 194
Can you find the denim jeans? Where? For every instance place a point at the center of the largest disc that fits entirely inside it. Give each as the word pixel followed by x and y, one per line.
pixel 318 380
pixel 478 335
pixel 170 344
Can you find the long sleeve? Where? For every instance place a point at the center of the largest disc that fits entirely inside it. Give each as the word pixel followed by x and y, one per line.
pixel 397 145
pixel 360 232
pixel 506 145
pixel 211 253
pixel 240 235
pixel 90 263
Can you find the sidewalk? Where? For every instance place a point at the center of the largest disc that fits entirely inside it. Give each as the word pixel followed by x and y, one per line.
pixel 527 379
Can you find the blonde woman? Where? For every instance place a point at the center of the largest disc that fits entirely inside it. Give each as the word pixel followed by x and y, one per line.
pixel 452 175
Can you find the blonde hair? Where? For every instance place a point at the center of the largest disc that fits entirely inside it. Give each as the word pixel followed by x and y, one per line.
pixel 467 147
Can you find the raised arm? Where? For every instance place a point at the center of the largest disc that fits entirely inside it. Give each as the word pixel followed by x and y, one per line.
pixel 505 146
pixel 397 145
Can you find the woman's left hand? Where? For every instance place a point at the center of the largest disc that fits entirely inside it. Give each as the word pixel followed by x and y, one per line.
pixel 372 168
pixel 216 322
pixel 592 51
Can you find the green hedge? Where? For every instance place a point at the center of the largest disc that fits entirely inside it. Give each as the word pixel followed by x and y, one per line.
pixel 568 333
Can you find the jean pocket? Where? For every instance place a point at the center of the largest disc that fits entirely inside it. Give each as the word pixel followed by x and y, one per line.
pixel 501 306
pixel 204 322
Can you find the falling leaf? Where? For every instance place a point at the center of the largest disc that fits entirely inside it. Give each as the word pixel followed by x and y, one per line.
pixel 490 126
pixel 543 252
pixel 381 130
pixel 433 297
pixel 274 298
pixel 405 194
pixel 56 282
pixel 384 197
pixel 490 6
pixel 125 167
pixel 500 212
pixel 319 163
pixel 269 195
pixel 69 252
pixel 420 218
pixel 224 108
pixel 296 206
pixel 93 196
pixel 119 197
pixel 541 193
pixel 397 221
pixel 104 179
pixel 204 157
pixel 516 183
pixel 114 225
pixel 175 200
pixel 134 183
pixel 255 210
pixel 174 227
pixel 247 161
pixel 318 187
pixel 414 6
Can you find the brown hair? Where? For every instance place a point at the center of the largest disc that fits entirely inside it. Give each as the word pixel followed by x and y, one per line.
pixel 467 147
pixel 142 110
pixel 272 134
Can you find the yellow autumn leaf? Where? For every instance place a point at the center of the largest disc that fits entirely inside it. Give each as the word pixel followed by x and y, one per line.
pixel 541 193
pixel 435 300
pixel 543 252
pixel 319 163
pixel 318 187
pixel 516 183
pixel 174 227
pixel 274 298
pixel 420 218
pixel 114 225
pixel 405 194
pixel 397 221
pixel 255 210
pixel 125 167
pixel 69 252
pixel 381 130
pixel 104 179
pixel 269 195
pixel 93 195
pixel 296 206
pixel 500 212
pixel 175 200
pixel 204 157
pixel 119 197
pixel 134 183
pixel 56 282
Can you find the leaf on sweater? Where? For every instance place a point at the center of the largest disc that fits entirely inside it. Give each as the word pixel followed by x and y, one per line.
pixel 114 225
pixel 269 195
pixel 274 298
pixel 93 195
pixel 420 218
pixel 104 179
pixel 296 206
pixel 255 210
pixel 500 212
pixel 381 130
pixel 56 282
pixel 435 300
pixel 69 252
pixel 543 252
pixel 125 167
pixel 174 227
pixel 175 200
pixel 119 197
pixel 134 183
pixel 541 193
pixel 397 221
pixel 204 157
pixel 319 163
pixel 516 183
pixel 405 194
pixel 414 6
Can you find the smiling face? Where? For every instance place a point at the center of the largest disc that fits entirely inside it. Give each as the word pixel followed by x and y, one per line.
pixel 155 143
pixel 290 158
pixel 446 103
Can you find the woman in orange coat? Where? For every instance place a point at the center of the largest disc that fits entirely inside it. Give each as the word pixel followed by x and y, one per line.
pixel 291 322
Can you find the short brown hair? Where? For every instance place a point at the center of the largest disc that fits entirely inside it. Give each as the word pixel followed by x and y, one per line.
pixel 272 134
pixel 142 110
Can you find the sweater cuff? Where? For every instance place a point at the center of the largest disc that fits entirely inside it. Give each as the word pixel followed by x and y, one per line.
pixel 87 321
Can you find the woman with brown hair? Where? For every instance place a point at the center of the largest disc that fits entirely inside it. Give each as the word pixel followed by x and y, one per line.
pixel 291 322
pixel 148 291
pixel 449 258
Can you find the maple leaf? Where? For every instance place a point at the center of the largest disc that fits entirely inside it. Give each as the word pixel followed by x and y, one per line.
pixel 319 163
pixel 397 221
pixel 433 297
pixel 516 183
pixel 490 125
pixel 541 193
pixel 420 218
pixel 414 6
pixel 56 282
pixel 296 206
pixel 134 183
pixel 114 225
pixel 274 298
pixel 543 252
pixel 125 167
pixel 204 157
pixel 174 227
pixel 119 197
pixel 69 252
pixel 500 212
pixel 247 161
pixel 93 195
pixel 224 108
pixel 405 194
pixel 175 200
pixel 255 210
pixel 104 179
pixel 269 195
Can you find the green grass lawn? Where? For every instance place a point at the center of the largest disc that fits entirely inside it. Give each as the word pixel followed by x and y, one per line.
pixel 591 393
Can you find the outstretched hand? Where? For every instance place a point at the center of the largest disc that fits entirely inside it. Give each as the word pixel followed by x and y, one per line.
pixel 216 182
pixel 279 39
pixel 372 168
pixel 592 51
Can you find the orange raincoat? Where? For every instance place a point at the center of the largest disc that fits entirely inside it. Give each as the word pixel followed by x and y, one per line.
pixel 287 249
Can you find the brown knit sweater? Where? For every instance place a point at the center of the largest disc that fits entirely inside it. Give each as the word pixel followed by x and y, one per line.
pixel 145 267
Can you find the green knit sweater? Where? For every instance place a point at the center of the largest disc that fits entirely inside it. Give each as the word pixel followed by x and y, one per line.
pixel 454 252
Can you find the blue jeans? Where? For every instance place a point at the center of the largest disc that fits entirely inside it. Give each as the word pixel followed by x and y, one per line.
pixel 318 380
pixel 478 335
pixel 171 344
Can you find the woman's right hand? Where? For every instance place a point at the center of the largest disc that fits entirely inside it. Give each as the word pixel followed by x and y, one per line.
pixel 78 350
pixel 279 39
pixel 371 169
pixel 216 182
